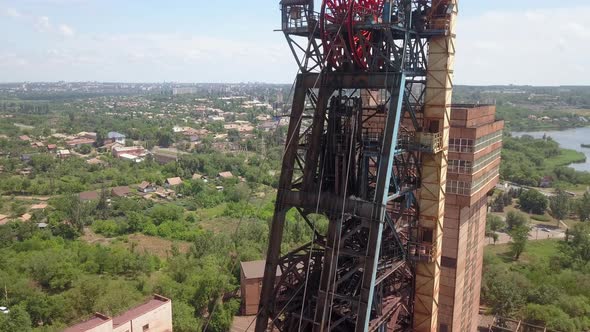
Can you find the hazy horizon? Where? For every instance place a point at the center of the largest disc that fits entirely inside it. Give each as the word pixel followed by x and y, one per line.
pixel 527 42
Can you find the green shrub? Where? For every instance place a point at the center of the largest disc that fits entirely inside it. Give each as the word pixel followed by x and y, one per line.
pixel 541 217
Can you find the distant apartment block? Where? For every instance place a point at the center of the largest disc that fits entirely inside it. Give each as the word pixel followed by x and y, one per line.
pixel 184 90
pixel 154 316
pixel 475 144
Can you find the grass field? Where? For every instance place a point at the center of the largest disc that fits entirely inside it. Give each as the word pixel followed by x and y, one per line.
pixel 566 157
pixel 535 251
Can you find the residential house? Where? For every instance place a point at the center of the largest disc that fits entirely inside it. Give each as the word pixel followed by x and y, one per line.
pixel 225 175
pixel 51 147
pixel 116 137
pixel 24 138
pixel 87 134
pixel 146 187
pixel 25 217
pixel 26 171
pixel 63 154
pixel 268 126
pixel 3 219
pixel 172 182
pixel 137 151
pixel 89 195
pixel 78 142
pixel 164 158
pixel 122 191
pixel 164 193
pixel 546 182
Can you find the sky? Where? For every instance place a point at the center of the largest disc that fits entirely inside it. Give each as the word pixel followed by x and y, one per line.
pixel 528 42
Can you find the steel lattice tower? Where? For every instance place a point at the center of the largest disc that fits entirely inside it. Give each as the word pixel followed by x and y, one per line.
pixel 366 147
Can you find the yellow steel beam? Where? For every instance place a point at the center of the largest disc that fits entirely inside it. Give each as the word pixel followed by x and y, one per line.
pixel 437 113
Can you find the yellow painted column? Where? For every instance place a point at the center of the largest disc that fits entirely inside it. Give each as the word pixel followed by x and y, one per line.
pixel 437 113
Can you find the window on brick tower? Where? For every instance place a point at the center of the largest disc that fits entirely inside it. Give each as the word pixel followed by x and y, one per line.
pixel 146 327
pixel 433 127
pixel 427 235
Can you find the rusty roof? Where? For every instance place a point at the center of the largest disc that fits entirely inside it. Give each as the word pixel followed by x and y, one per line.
pixel 120 191
pixel 174 181
pixel 156 302
pixel 226 175
pixel 97 320
pixel 88 195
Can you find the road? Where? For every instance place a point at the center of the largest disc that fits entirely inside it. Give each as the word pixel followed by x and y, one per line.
pixel 538 232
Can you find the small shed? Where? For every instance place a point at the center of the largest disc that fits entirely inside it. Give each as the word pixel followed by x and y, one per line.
pixel 251 274
pixel 171 182
pixel 225 175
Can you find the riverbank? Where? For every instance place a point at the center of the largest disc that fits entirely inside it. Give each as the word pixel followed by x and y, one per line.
pixel 533 161
pixel 570 139
pixel 566 157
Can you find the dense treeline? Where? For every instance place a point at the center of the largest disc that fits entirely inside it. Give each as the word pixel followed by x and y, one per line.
pixel 526 161
pixel 50 281
pixel 551 288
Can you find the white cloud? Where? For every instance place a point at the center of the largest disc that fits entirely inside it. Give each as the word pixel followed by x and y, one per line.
pixel 66 30
pixel 42 24
pixel 11 12
pixel 537 47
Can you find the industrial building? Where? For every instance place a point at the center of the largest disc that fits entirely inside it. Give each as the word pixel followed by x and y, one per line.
pixel 367 147
pixel 475 143
pixel 154 315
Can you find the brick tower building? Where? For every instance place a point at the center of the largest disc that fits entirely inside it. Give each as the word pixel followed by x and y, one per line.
pixel 475 144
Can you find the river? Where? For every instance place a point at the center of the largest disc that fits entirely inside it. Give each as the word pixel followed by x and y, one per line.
pixel 568 139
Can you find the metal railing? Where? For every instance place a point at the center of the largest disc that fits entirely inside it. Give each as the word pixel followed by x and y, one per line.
pixel 421 251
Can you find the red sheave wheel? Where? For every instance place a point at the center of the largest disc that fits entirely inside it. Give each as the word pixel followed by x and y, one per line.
pixel 361 43
pixel 335 19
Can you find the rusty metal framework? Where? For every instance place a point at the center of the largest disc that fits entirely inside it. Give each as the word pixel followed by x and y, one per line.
pixel 354 149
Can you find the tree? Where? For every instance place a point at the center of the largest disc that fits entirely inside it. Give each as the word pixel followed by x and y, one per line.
pixel 101 136
pixel 102 207
pixel 515 219
pixel 520 237
pixel 579 246
pixel 85 149
pixel 560 204
pixel 165 139
pixel 503 291
pixel 583 207
pixel 183 317
pixel 498 204
pixel 18 320
pixel 494 224
pixel 533 201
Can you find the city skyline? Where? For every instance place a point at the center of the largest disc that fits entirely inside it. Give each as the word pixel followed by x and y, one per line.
pixel 188 41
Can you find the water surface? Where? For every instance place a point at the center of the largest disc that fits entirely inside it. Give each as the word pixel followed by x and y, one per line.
pixel 569 139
